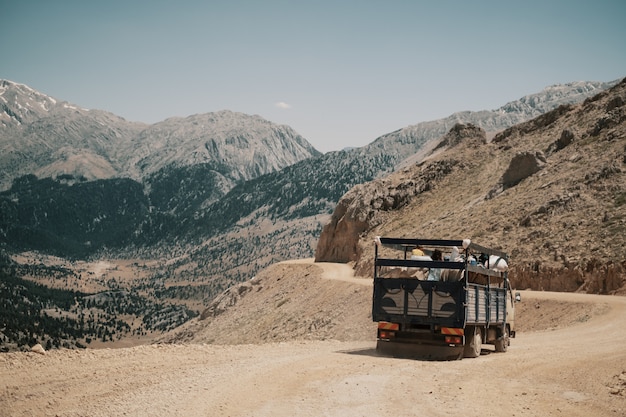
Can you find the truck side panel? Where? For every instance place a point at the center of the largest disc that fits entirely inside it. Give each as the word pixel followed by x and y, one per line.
pixel 485 305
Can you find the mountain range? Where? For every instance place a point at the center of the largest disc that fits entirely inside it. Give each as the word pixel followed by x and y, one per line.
pixel 205 178
pixel 200 175
pixel 47 137
pixel 215 198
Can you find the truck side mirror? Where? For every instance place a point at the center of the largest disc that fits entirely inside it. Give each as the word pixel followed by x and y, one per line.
pixel 518 297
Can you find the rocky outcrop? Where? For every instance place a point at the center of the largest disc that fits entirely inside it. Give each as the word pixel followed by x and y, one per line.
pixel 462 133
pixel 363 207
pixel 339 239
pixel 567 138
pixel 523 165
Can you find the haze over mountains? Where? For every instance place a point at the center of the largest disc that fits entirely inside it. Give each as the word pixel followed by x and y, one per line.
pixel 211 198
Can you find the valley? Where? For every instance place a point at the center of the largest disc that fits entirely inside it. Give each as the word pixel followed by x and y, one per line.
pixel 78 304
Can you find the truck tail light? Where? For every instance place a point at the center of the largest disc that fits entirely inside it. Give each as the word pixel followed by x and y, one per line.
pixel 386 334
pixel 454 340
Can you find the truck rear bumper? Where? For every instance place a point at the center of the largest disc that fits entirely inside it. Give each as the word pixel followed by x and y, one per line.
pixel 411 350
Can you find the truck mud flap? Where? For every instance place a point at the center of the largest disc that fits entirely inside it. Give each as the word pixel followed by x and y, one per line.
pixel 419 351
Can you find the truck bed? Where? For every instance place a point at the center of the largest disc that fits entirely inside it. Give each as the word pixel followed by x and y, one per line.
pixel 411 301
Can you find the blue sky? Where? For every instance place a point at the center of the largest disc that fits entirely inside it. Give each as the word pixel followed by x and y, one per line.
pixel 341 73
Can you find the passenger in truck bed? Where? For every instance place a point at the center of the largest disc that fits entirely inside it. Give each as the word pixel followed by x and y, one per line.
pixel 418 255
pixel 452 275
pixel 435 273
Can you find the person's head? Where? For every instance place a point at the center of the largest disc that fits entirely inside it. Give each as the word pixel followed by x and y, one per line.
pixel 437 255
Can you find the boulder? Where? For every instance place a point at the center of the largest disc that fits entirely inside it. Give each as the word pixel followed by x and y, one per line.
pixel 523 165
pixel 38 349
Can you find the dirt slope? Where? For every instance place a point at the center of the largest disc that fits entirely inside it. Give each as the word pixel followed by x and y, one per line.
pixel 569 360
pixel 287 301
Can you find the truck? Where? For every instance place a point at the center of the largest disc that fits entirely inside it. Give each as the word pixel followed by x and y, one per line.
pixel 441 299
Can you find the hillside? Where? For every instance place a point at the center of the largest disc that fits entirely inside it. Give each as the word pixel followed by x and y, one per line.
pixel 550 191
pixel 286 301
pixel 302 300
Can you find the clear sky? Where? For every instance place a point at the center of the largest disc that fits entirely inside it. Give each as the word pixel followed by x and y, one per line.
pixel 341 73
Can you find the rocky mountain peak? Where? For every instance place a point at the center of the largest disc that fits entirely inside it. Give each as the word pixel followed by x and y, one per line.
pixel 48 138
pixel 461 132
pixel 240 145
pixel 21 104
pixel 554 96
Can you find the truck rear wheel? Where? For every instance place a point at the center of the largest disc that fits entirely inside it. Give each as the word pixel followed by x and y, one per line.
pixel 502 343
pixel 473 343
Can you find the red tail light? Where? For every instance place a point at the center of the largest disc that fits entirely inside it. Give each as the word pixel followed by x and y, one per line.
pixel 385 334
pixel 454 340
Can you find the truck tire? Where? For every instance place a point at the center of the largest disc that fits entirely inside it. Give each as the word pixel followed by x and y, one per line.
pixel 502 343
pixel 473 343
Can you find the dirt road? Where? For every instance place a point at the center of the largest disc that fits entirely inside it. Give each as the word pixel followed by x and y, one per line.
pixel 573 370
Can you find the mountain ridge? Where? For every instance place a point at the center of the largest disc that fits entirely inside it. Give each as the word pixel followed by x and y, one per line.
pixel 47 137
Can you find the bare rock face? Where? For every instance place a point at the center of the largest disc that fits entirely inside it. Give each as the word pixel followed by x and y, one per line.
pixel 461 133
pixel 363 207
pixel 339 239
pixel 523 165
